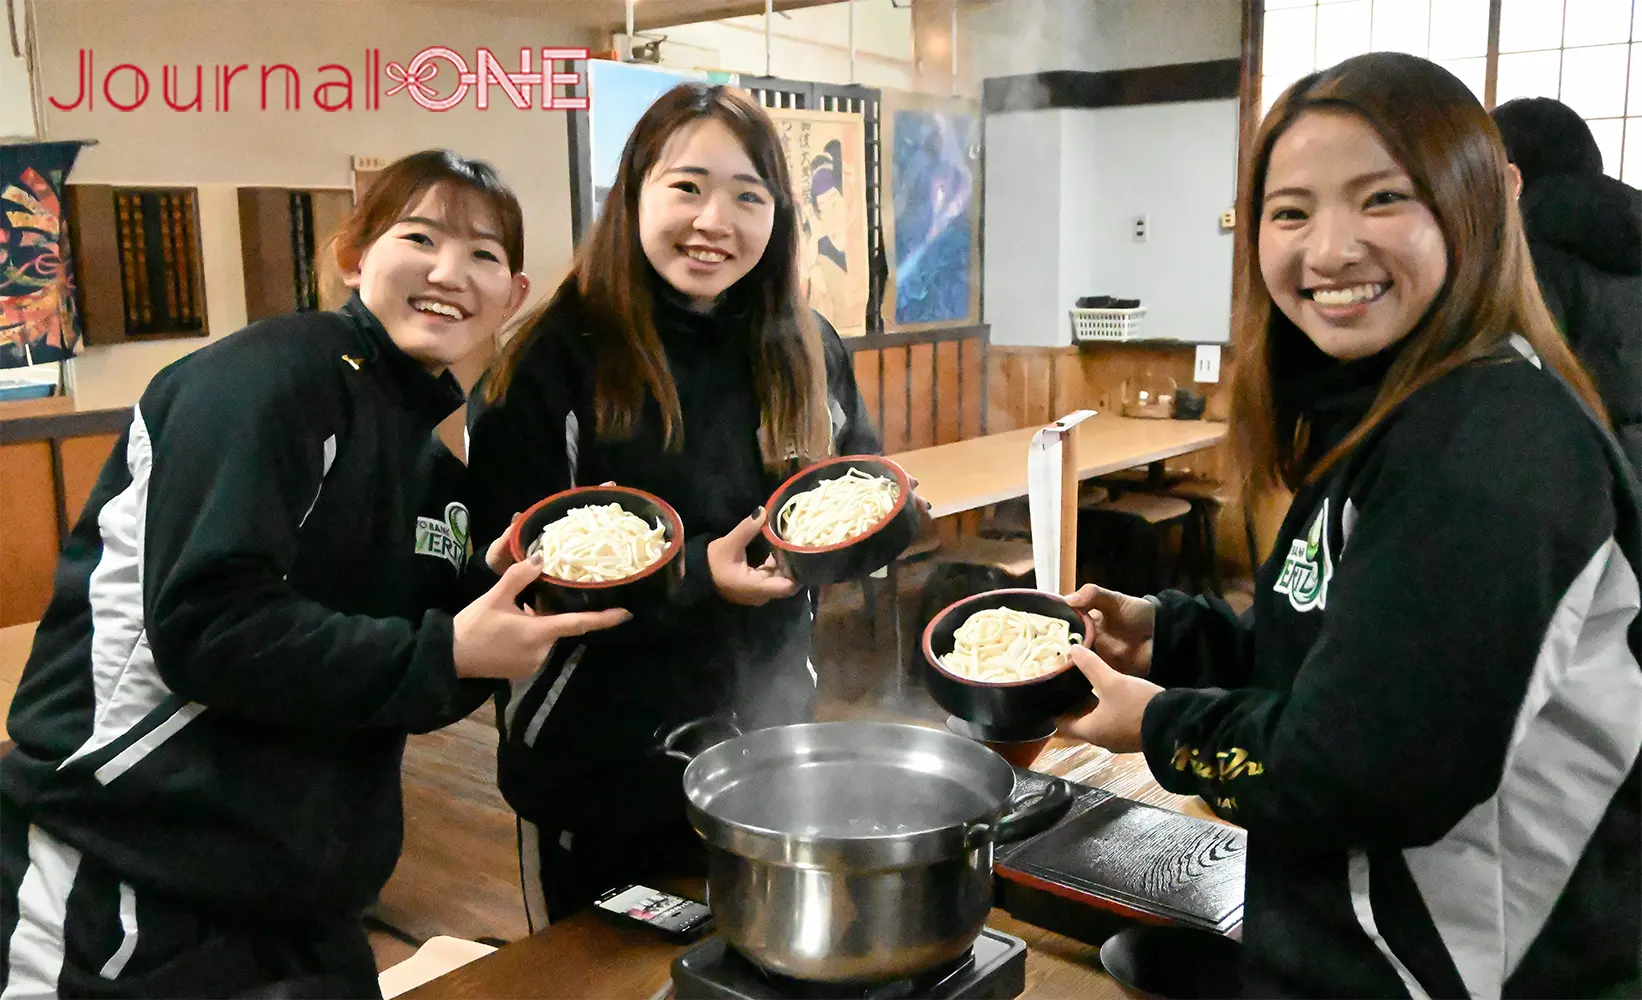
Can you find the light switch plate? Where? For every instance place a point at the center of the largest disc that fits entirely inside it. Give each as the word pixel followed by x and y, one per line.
pixel 1208 363
pixel 1228 219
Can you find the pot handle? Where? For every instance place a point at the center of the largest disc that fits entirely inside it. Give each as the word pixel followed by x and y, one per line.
pixel 1030 813
pixel 669 742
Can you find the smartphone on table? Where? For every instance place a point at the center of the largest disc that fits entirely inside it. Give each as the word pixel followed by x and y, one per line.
pixel 673 917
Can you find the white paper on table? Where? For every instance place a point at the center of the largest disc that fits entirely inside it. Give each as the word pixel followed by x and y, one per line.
pixel 1043 464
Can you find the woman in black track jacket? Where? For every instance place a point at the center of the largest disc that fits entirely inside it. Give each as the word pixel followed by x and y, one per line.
pixel 1431 729
pixel 677 358
pixel 255 608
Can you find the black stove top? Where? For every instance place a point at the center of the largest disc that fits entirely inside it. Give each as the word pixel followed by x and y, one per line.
pixel 994 969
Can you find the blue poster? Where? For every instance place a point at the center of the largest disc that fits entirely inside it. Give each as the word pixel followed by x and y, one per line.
pixel 933 202
pixel 618 96
pixel 38 319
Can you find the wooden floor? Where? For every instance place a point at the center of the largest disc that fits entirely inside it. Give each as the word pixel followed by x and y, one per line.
pixel 459 875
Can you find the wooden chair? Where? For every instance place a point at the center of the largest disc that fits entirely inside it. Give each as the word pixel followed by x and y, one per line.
pixel 1126 535
pixel 973 566
pixel 1207 497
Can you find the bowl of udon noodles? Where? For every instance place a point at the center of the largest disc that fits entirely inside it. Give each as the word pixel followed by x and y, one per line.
pixel 841 519
pixel 1002 660
pixel 601 547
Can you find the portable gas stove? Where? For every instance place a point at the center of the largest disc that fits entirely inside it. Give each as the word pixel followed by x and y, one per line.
pixel 993 969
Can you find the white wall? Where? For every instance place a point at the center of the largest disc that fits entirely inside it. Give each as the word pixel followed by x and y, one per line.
pixel 16 103
pixel 308 147
pixel 1009 37
pixel 811 43
pixel 1022 274
pixel 1174 163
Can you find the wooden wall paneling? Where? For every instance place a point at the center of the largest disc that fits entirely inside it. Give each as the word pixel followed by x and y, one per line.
pixel 949 392
pixel 869 378
pixel 1004 391
pixel 29 545
pixel 972 389
pixel 972 404
pixel 895 391
pixel 81 461
pixel 922 395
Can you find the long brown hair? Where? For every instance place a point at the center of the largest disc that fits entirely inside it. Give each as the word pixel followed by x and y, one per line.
pixel 465 184
pixel 613 277
pixel 1437 130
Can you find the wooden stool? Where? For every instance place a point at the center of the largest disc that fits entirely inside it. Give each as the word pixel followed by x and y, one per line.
pixel 972 566
pixel 1207 497
pixel 1135 518
pixel 1010 519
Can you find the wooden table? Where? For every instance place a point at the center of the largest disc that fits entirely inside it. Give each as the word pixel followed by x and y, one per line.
pixel 15 643
pixel 987 470
pixel 585 956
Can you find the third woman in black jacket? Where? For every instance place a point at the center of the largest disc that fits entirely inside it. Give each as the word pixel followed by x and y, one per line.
pixel 677 358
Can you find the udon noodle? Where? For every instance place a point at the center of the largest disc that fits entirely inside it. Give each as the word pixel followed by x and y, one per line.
pixel 1002 645
pixel 837 510
pixel 596 544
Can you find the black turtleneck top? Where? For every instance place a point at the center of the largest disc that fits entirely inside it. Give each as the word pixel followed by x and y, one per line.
pixel 579 739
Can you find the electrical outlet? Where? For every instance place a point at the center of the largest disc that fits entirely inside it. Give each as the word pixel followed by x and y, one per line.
pixel 1228 219
pixel 1208 363
pixel 1140 229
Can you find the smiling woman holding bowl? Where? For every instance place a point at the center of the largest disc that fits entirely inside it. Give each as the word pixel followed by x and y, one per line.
pixel 1431 727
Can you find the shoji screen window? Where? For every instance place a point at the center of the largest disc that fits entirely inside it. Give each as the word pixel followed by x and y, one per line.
pixel 1583 53
pixel 1301 36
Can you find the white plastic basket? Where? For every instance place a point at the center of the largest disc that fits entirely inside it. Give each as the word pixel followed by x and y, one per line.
pixel 1106 324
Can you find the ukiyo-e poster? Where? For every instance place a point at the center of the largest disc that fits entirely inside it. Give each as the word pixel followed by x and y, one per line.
pixel 826 157
pixel 932 217
pixel 39 321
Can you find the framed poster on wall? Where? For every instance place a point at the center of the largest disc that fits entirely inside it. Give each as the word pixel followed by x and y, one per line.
pixel 826 159
pixel 932 215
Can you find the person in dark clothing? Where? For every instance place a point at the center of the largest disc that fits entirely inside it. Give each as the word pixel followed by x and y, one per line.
pixel 1585 233
pixel 676 358
pixel 259 602
pixel 1431 731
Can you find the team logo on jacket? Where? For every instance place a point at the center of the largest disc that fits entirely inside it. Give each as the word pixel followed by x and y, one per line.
pixel 1309 567
pixel 447 539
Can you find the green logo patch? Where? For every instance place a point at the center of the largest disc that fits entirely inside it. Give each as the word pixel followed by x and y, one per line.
pixel 447 539
pixel 1308 568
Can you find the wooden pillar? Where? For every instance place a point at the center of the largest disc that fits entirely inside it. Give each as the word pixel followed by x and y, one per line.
pixel 1069 509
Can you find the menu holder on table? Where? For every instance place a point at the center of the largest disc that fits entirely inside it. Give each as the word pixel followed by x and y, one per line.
pixel 1112 862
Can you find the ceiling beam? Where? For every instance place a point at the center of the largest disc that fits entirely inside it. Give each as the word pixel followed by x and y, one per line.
pixel 707 10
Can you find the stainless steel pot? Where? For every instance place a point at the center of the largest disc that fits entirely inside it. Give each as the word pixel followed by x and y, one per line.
pixel 855 851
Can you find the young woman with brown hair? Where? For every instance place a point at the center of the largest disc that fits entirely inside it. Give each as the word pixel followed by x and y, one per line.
pixel 259 602
pixel 677 358
pixel 1431 728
